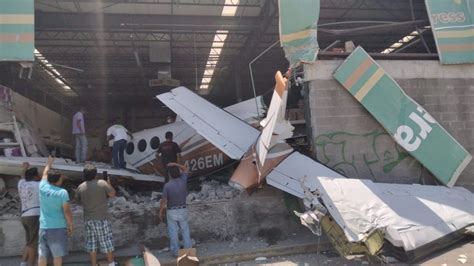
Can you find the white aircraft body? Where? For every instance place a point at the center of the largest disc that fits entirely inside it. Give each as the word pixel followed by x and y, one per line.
pixel 408 216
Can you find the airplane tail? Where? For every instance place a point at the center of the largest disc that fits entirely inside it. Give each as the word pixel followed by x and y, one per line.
pixel 275 127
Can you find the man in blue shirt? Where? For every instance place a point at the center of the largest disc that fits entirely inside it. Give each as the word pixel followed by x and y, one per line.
pixel 174 200
pixel 55 217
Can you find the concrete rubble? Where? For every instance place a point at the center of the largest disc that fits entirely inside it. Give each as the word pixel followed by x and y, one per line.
pixel 212 190
pixel 10 204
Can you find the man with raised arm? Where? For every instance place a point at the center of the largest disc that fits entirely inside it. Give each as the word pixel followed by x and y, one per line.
pixel 174 202
pixel 92 195
pixel 55 217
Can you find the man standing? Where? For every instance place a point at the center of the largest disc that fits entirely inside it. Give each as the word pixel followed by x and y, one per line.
pixel 169 150
pixel 92 195
pixel 28 189
pixel 79 133
pixel 55 217
pixel 174 201
pixel 120 135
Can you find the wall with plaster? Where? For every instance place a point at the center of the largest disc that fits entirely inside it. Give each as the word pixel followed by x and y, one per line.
pixel 44 121
pixel 347 138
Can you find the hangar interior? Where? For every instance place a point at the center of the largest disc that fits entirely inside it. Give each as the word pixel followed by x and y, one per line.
pixel 103 54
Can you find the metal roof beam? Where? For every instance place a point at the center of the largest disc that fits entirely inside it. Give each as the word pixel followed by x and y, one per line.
pixel 45 21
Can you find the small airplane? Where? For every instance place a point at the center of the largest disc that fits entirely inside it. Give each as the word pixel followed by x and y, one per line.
pixel 21 144
pixel 357 215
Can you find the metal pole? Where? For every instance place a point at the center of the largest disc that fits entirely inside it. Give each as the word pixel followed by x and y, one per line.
pixel 420 33
pixel 331 45
pixel 251 73
pixel 195 63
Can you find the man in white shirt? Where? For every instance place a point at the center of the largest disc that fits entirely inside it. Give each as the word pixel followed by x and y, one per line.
pixel 28 189
pixel 120 136
pixel 79 133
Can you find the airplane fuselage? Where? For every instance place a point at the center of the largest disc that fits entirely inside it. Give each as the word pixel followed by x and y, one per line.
pixel 198 154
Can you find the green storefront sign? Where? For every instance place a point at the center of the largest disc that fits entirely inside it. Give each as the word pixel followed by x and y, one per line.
pixel 298 30
pixel 17 30
pixel 452 23
pixel 405 120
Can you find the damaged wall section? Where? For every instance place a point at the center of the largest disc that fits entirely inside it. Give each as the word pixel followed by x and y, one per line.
pixel 349 139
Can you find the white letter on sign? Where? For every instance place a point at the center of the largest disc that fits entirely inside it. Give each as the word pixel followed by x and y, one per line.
pixel 404 141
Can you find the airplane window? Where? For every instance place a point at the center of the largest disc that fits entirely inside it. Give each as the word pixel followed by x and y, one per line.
pixel 142 145
pixel 130 148
pixel 155 142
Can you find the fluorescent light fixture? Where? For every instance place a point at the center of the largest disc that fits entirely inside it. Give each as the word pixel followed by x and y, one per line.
pixel 229 10
pixel 51 68
pixel 400 42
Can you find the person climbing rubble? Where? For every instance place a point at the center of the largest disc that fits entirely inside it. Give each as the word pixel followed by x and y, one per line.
pixel 173 202
pixel 92 195
pixel 119 134
pixel 169 151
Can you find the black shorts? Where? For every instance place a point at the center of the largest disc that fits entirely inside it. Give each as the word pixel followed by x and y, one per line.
pixel 31 225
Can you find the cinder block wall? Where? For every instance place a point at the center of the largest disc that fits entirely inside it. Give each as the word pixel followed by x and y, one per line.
pixel 346 137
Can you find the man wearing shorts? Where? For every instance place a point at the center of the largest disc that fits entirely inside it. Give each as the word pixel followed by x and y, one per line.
pixel 92 195
pixel 55 217
pixel 28 189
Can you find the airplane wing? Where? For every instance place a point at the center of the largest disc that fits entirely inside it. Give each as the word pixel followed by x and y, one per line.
pixel 13 166
pixel 360 206
pixel 227 132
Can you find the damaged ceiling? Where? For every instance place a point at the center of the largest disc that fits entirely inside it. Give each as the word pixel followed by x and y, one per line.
pixel 102 49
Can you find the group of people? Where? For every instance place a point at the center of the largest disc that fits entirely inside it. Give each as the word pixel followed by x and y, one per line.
pixel 47 217
pixel 116 133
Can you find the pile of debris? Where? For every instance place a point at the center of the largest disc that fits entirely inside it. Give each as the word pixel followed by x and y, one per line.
pixel 127 200
pixel 10 204
pixel 212 190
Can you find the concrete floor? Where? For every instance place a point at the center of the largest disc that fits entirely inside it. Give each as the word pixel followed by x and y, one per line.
pixel 445 257
pixel 299 249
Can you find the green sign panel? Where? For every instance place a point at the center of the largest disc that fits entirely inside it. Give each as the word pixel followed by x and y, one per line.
pixel 298 30
pixel 17 30
pixel 452 23
pixel 405 120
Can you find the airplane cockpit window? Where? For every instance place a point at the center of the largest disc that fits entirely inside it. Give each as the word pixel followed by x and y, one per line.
pixel 142 145
pixel 155 143
pixel 130 148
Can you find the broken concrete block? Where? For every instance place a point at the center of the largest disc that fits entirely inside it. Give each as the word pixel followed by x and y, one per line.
pixel 220 193
pixel 212 195
pixel 155 195
pixel 119 201
pixel 191 197
pixel 206 188
pixel 229 194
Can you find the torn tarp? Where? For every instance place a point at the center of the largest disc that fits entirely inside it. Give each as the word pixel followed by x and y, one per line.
pixel 452 23
pixel 406 121
pixel 298 30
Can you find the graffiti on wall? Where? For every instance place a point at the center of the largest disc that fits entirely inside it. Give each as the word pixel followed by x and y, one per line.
pixel 373 155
